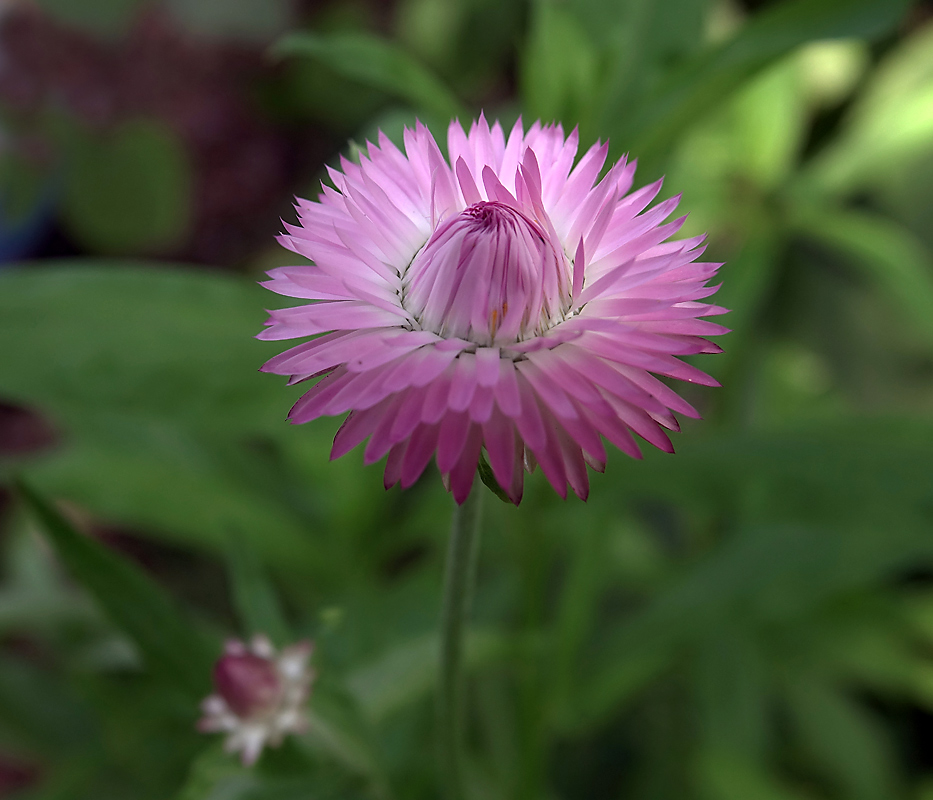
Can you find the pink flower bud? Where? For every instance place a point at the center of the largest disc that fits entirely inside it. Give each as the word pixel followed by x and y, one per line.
pixel 248 683
pixel 260 695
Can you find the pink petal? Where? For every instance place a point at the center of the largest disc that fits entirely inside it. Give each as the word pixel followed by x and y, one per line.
pixel 463 383
pixel 356 428
pixel 381 439
pixel 393 473
pixel 499 437
pixel 418 453
pixel 453 435
pixel 464 471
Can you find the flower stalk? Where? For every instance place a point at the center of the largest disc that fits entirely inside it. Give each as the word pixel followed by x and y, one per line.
pixel 459 580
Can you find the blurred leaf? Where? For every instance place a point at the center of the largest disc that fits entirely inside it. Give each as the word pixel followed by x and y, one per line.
pixel 834 466
pixel 657 32
pixel 107 17
pixel 431 27
pixel 408 671
pixel 128 191
pixel 216 775
pixel 769 117
pixel 889 126
pixel 701 83
pixel 284 773
pixel 772 575
pixel 87 341
pixel 887 254
pixel 732 689
pixel 873 648
pixel 339 734
pixel 151 374
pixel 173 647
pixel 39 713
pixel 336 729
pixel 644 40
pixel 375 62
pixel 577 610
pixel 558 72
pixel 253 594
pixel 847 745
pixel 728 776
pixel 32 597
pixel 166 483
pixel 749 281
pixel 832 69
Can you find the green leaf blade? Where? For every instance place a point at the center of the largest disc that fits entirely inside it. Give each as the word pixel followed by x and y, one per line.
pixel 378 63
pixel 171 644
pixel 704 81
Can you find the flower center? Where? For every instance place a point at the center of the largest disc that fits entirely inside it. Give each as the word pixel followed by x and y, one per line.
pixel 489 275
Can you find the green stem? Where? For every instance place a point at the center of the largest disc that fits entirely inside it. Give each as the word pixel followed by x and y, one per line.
pixel 459 577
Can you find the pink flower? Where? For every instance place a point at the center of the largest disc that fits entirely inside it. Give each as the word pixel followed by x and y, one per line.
pixel 259 695
pixel 504 300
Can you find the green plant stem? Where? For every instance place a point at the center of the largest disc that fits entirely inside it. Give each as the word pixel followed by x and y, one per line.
pixel 459 576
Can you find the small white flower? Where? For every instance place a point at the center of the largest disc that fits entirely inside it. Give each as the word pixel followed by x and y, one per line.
pixel 259 696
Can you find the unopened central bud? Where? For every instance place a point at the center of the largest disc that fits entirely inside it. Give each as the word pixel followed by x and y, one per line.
pixel 249 683
pixel 489 275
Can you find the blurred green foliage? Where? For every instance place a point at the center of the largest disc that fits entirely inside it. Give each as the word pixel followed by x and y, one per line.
pixel 751 619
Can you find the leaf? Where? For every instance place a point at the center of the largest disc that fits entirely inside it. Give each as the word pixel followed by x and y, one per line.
pixel 733 694
pixel 845 742
pixel 577 610
pixel 336 729
pixel 775 574
pixel 643 41
pixel 723 775
pixel 889 127
pixel 749 281
pixel 216 775
pixel 174 648
pixel 38 712
pixel 408 671
pixel 253 595
pixel 161 481
pixel 32 597
pixel 839 464
pixel 128 191
pixel 558 72
pixel 375 62
pixel 488 477
pixel 88 341
pixel 701 83
pixel 658 33
pixel 886 253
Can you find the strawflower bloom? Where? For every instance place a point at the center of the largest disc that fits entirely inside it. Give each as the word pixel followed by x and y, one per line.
pixel 505 300
pixel 259 696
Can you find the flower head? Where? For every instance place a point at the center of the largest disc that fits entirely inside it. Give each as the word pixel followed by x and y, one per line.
pixel 505 299
pixel 259 695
